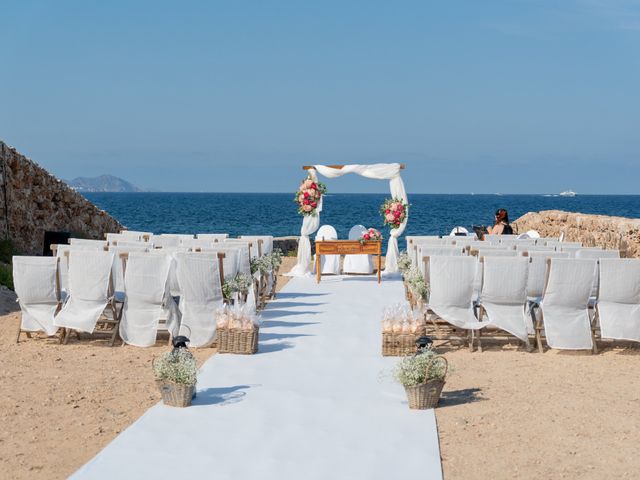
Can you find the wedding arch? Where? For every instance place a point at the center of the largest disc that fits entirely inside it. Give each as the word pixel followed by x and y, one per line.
pixel 310 223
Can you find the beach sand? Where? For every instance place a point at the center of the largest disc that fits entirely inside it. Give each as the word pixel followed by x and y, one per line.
pixel 506 413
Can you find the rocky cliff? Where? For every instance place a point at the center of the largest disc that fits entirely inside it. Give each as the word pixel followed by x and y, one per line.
pixel 592 230
pixel 33 201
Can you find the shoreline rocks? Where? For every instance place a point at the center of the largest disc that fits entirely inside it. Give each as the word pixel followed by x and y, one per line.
pixel 33 201
pixel 618 233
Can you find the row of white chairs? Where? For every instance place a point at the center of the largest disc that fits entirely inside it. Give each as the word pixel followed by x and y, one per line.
pixel 147 305
pixel 568 300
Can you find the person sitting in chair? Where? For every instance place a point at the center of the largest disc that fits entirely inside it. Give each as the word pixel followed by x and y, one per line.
pixel 501 227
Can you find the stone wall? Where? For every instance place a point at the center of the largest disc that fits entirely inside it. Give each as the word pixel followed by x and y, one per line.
pixel 592 230
pixel 33 201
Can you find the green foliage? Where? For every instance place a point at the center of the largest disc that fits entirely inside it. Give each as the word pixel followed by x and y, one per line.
pixel 7 250
pixel 417 369
pixel 6 276
pixel 177 367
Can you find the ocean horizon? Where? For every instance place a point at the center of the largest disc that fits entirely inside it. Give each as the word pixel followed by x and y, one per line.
pixel 275 213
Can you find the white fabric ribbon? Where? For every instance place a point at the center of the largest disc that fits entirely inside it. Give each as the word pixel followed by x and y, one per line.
pixel 310 223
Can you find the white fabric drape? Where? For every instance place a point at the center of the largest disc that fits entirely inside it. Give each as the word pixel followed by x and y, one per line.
pixel 310 223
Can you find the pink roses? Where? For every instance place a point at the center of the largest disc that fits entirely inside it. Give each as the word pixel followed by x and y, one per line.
pixel 370 235
pixel 308 196
pixel 394 212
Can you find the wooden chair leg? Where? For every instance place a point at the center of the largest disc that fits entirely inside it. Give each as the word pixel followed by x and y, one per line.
pixel 470 340
pixel 539 333
pixel 593 332
pixel 479 340
pixel 63 333
pixel 19 332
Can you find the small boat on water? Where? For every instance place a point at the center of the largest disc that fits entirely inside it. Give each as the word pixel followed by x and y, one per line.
pixel 568 193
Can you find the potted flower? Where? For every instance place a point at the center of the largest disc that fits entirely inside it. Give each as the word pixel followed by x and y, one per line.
pixel 423 377
pixel 176 374
pixel 417 289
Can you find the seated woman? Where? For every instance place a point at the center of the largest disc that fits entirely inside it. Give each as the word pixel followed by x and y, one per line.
pixel 501 227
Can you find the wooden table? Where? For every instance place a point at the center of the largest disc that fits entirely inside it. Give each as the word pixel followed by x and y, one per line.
pixel 347 247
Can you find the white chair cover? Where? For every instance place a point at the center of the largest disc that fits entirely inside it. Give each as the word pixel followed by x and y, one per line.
pixel 117 273
pixel 231 260
pixel 251 245
pixel 619 299
pixel 497 252
pixel 357 263
pixel 195 243
pixel 504 295
pixel 451 297
pixel 147 299
pixel 565 304
pixel 427 250
pixel 597 253
pixel 139 236
pixel 538 272
pixel 164 241
pixel 90 288
pixel 216 237
pixel 179 236
pixel 98 244
pixel 267 243
pixel 199 279
pixel 34 280
pixel 328 263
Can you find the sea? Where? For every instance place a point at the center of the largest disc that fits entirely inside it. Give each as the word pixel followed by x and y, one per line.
pixel 276 213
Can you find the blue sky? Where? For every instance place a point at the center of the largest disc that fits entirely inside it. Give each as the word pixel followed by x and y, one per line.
pixel 483 96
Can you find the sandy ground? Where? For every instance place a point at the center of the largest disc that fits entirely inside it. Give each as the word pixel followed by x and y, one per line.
pixel 506 413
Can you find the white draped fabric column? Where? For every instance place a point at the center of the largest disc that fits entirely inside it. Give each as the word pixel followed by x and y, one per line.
pixel 380 171
pixel 310 224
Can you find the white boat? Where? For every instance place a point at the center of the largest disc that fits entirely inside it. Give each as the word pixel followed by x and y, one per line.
pixel 568 193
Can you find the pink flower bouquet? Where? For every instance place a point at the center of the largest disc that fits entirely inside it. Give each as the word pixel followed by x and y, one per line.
pixel 308 196
pixel 394 212
pixel 371 235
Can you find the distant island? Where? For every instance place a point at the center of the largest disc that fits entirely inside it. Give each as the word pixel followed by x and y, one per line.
pixel 102 183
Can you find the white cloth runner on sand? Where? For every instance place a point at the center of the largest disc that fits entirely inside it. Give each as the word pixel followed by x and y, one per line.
pixel 89 289
pixel 310 223
pixel 35 284
pixel 312 404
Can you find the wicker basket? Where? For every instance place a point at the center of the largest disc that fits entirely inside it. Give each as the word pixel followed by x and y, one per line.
pixel 176 394
pixel 243 342
pixel 427 395
pixel 400 344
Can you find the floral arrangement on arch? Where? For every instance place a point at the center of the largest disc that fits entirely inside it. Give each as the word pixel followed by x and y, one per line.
pixel 308 196
pixel 371 235
pixel 394 212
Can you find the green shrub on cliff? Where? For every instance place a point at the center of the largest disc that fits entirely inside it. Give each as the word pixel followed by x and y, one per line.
pixel 6 276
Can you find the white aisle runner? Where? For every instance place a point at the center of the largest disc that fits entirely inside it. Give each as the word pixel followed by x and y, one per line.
pixel 312 404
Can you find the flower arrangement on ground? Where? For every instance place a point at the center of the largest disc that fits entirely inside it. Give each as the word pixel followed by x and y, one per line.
pixel 308 196
pixel 371 235
pixel 404 262
pixel 176 373
pixel 394 212
pixel 423 376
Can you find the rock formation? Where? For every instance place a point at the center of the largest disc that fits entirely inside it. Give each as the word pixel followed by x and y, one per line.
pixel 592 230
pixel 33 201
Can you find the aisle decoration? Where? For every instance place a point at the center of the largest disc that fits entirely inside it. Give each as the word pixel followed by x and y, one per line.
pixel 394 212
pixel 309 195
pixel 237 287
pixel 237 329
pixel 401 327
pixel 416 288
pixel 176 374
pixel 404 263
pixel 423 377
pixel 371 235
